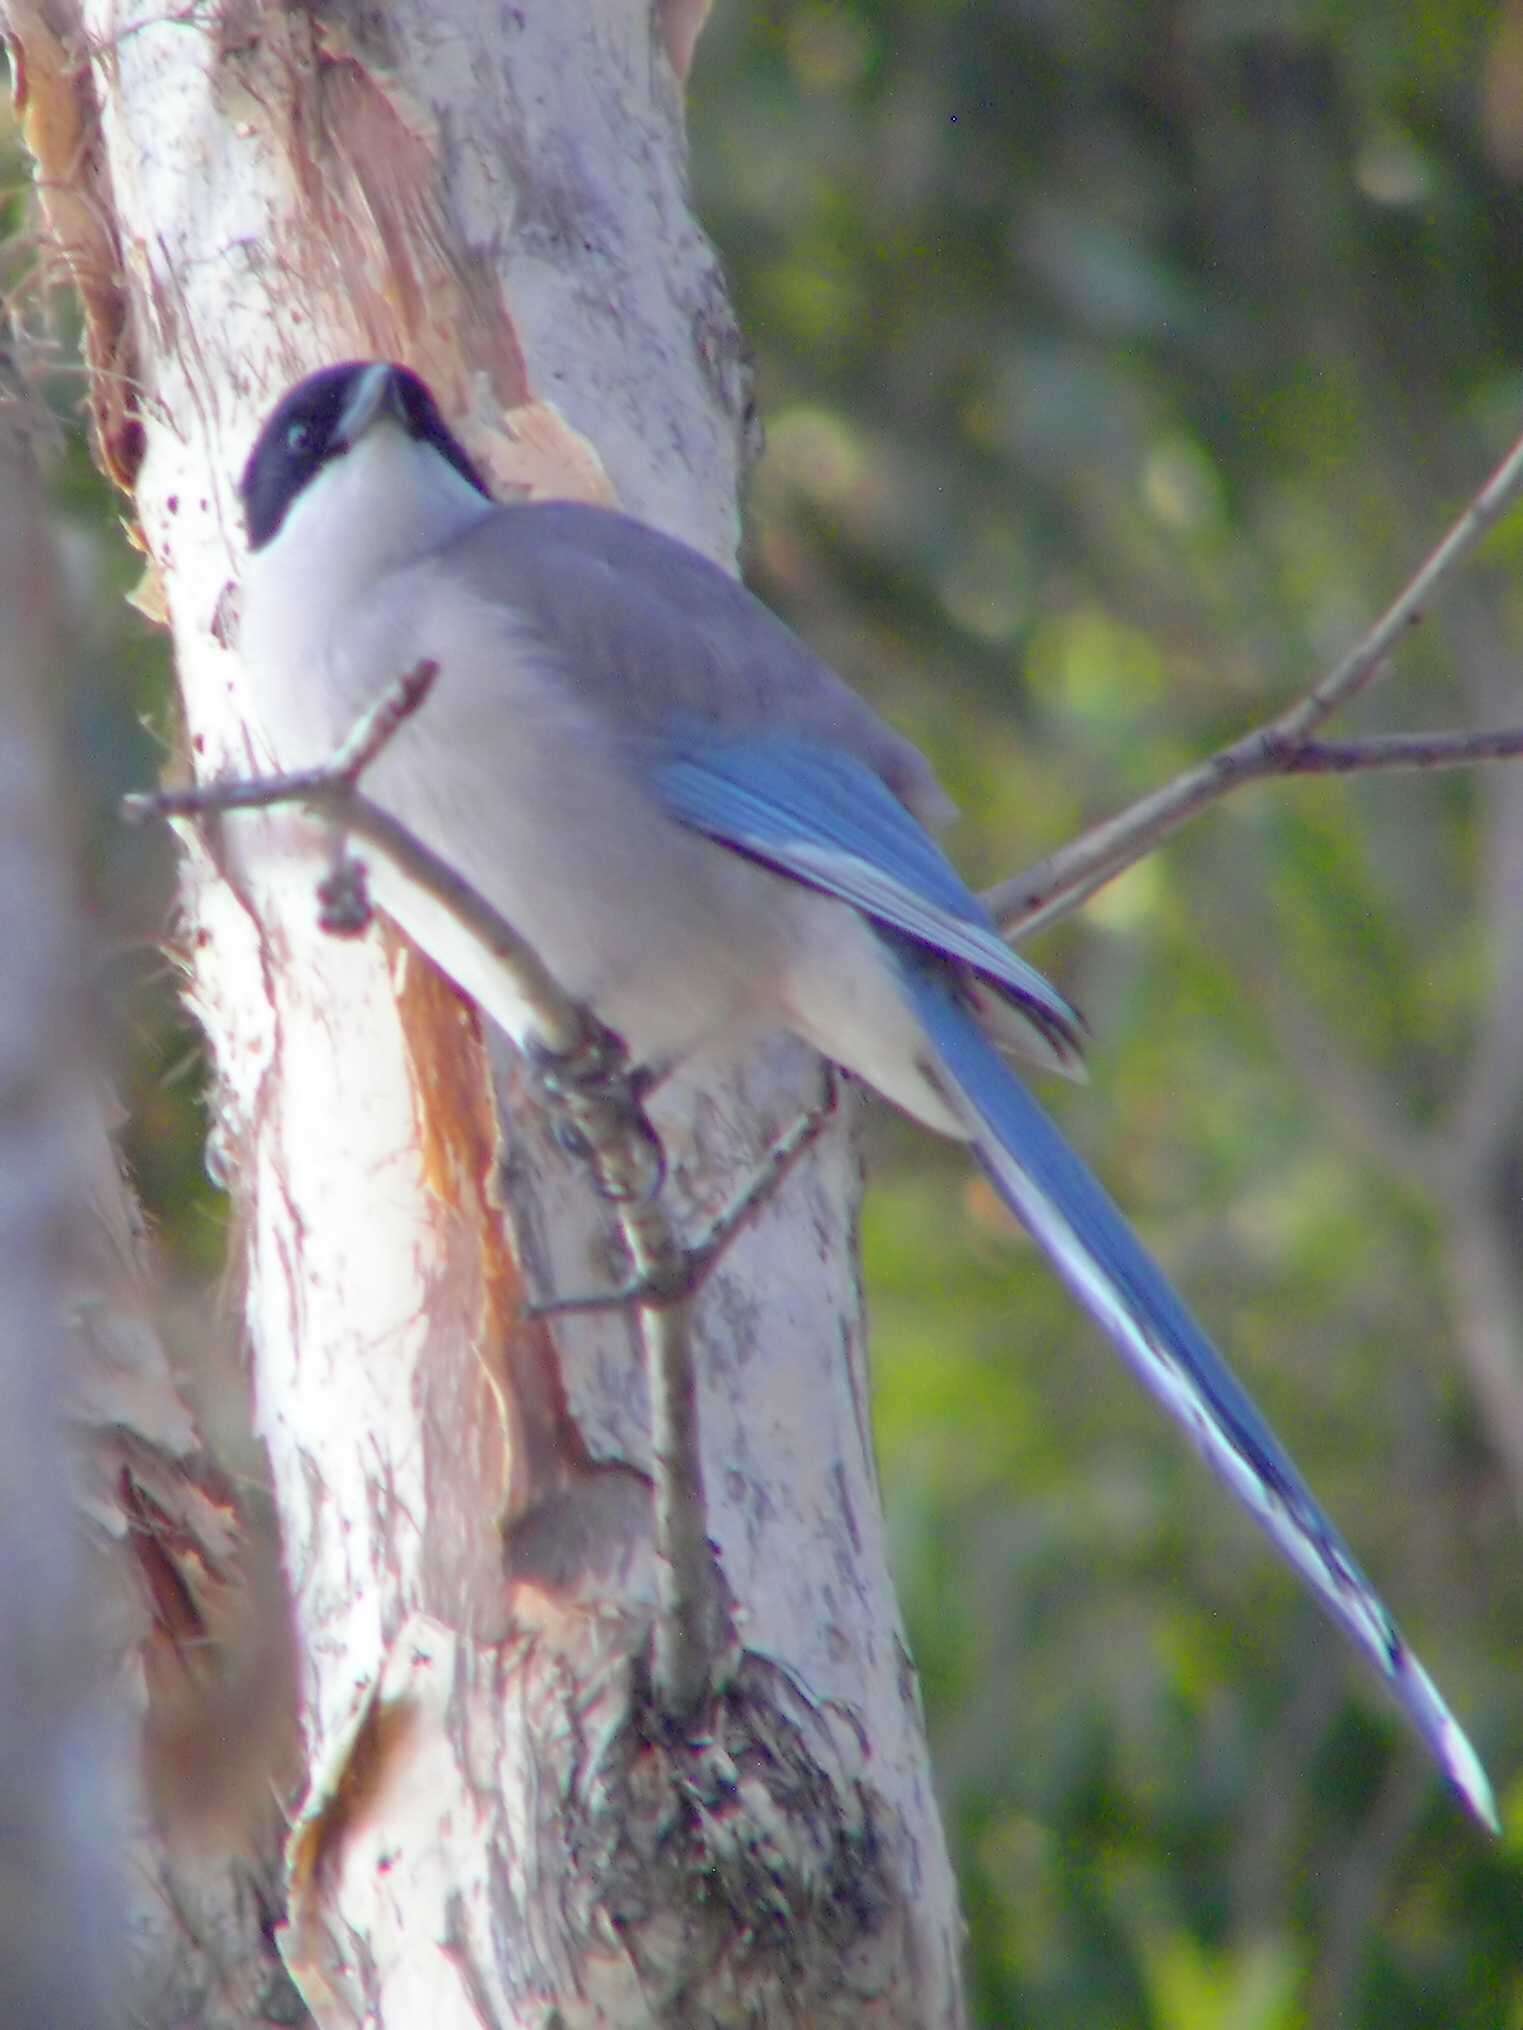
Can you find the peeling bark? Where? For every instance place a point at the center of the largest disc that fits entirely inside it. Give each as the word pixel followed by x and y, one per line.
pixel 494 1830
pixel 194 1621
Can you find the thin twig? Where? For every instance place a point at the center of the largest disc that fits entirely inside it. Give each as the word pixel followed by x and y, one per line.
pixel 1395 750
pixel 1068 877
pixel 378 725
pixel 670 1283
pixel 690 1624
pixel 333 792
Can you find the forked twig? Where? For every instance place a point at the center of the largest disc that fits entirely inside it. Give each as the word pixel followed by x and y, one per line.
pixel 1283 746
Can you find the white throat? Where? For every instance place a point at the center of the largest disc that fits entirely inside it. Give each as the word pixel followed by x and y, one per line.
pixel 381 506
pixel 388 500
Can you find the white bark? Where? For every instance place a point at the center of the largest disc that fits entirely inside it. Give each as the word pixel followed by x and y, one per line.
pixel 495 194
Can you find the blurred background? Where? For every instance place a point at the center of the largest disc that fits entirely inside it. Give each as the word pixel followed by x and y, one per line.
pixel 1119 361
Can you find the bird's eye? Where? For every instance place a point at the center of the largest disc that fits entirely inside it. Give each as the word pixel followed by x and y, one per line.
pixel 298 439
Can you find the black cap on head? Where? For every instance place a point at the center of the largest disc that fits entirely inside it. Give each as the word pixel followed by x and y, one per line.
pixel 311 424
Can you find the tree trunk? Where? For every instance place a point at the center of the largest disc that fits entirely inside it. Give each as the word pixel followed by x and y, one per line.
pixel 58 1946
pixel 493 1831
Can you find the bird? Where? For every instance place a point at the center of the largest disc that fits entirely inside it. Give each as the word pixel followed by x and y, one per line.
pixel 704 833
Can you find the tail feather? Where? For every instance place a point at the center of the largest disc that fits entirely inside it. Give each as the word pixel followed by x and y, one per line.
pixel 1104 1265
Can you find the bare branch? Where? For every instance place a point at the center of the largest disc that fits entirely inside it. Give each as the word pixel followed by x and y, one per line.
pixel 333 791
pixel 703 1252
pixel 1067 878
pixel 1396 750
pixel 1410 607
pixel 583 1073
pixel 375 728
pixel 597 1096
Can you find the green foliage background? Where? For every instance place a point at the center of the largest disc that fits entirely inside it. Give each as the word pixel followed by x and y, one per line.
pixel 1119 361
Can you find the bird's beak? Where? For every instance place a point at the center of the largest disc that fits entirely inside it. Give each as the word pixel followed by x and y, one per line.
pixel 376 394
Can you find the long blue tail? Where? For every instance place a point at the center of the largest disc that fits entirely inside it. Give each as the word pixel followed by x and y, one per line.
pixel 1093 1249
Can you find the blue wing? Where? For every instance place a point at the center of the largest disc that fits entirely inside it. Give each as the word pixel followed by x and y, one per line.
pixel 826 819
